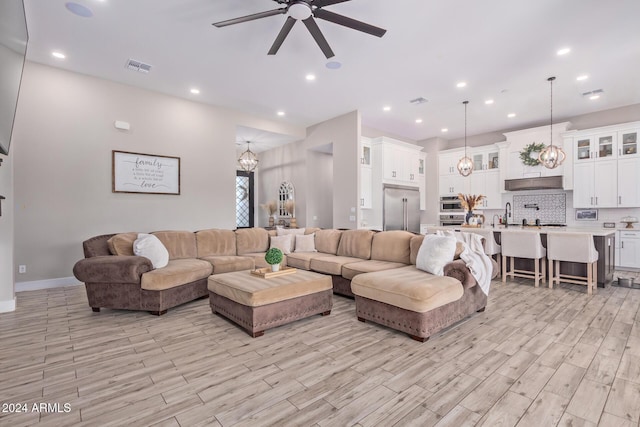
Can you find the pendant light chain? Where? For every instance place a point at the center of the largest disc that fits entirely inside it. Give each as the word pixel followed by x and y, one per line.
pixel 465 128
pixel 551 79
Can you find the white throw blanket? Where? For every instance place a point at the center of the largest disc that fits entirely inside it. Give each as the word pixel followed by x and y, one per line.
pixel 475 259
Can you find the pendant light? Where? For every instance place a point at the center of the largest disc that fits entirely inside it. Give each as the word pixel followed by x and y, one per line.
pixel 248 160
pixel 552 156
pixel 465 164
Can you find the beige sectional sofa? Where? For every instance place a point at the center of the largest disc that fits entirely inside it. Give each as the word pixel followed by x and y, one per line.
pixel 116 278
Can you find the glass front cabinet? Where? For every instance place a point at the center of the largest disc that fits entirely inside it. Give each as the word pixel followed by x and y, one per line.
pixel 628 143
pixel 596 147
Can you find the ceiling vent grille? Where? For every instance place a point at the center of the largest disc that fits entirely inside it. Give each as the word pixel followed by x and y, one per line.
pixel 418 101
pixel 141 67
pixel 593 92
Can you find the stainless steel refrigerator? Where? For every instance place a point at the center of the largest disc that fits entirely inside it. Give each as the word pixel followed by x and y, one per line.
pixel 401 209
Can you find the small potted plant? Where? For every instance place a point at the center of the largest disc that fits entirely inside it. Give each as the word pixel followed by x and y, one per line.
pixel 274 257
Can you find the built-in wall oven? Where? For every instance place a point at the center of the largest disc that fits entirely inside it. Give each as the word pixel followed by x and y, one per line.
pixel 450 204
pixel 451 218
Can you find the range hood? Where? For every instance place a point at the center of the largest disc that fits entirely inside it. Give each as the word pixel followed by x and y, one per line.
pixel 538 183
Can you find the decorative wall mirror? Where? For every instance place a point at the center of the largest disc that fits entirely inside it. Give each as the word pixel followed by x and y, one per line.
pixel 286 200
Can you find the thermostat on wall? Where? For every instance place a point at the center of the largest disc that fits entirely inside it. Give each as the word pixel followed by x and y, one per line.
pixel 609 225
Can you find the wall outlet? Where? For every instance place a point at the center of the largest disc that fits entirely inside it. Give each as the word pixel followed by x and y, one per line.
pixel 22 269
pixel 352 218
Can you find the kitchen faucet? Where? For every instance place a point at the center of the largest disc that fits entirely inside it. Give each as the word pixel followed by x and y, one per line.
pixel 507 214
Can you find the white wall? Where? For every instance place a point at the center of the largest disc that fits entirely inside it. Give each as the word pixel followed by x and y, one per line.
pixel 7 296
pixel 320 189
pixel 62 164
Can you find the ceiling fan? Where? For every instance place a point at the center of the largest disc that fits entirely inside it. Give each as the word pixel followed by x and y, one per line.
pixel 306 11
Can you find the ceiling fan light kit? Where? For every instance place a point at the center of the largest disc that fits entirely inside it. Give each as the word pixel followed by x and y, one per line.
pixel 306 11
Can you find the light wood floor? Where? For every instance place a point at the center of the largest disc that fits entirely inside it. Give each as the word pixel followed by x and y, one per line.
pixel 535 358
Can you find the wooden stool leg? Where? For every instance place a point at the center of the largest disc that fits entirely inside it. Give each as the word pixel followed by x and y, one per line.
pixel 550 274
pixel 595 277
pixel 499 259
pixel 512 265
pixel 504 269
pixel 557 273
pixel 536 271
pixel 589 279
pixel 544 269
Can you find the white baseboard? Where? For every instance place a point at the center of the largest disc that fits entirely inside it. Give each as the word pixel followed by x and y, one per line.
pixel 47 284
pixel 8 305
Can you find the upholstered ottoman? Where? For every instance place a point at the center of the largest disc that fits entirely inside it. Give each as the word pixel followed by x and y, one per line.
pixel 413 301
pixel 257 304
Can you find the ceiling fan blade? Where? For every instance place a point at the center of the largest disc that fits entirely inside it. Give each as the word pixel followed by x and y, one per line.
pixel 250 17
pixel 349 22
pixel 323 3
pixel 284 32
pixel 318 37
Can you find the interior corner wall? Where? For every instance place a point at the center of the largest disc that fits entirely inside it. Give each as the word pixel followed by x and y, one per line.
pixel 7 294
pixel 344 133
pixel 63 138
pixel 431 147
pixel 285 163
pixel 320 189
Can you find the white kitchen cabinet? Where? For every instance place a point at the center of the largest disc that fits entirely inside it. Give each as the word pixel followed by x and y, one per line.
pixel 595 184
pixel 629 248
pixel 451 185
pixel 485 159
pixel 628 143
pixel 629 182
pixel 366 187
pixel 597 147
pixel 447 162
pixel 422 183
pixel 400 165
pixel 365 152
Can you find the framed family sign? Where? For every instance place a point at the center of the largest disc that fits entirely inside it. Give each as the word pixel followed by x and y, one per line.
pixel 145 173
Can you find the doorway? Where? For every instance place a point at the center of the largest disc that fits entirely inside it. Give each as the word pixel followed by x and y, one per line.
pixel 244 199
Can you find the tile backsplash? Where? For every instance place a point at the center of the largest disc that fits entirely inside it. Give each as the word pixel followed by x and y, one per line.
pixel 551 208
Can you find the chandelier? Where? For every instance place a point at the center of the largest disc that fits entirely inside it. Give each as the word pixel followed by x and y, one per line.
pixel 248 160
pixel 552 156
pixel 465 164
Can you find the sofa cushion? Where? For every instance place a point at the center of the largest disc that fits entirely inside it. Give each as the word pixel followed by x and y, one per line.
pixel 331 264
pixel 355 243
pixel 435 252
pixel 349 271
pixel 149 246
pixel 293 232
pixel 251 240
pixel 214 242
pixel 327 241
pixel 284 243
pixel 122 244
pixel 177 272
pixel 311 230
pixel 408 288
pixel 392 246
pixel 180 244
pixel 228 263
pixel 303 259
pixel 306 243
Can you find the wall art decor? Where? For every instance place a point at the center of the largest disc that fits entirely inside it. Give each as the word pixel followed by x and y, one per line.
pixel 145 173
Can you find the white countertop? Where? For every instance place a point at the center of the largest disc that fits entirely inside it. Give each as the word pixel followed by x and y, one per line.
pixel 546 229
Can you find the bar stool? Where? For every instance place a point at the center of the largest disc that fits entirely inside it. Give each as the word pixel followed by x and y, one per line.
pixel 523 244
pixel 573 247
pixel 491 247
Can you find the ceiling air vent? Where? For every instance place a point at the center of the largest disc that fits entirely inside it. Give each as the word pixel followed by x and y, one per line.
pixel 593 92
pixel 419 100
pixel 141 67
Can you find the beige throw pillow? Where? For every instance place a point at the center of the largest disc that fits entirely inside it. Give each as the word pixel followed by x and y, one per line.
pixel 282 242
pixel 306 243
pixel 290 231
pixel 149 246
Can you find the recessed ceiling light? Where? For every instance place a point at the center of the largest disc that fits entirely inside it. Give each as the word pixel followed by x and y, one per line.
pixel 461 84
pixel 78 9
pixel 333 65
pixel 511 115
pixel 195 91
pixel 489 101
pixel 58 55
pixel 310 77
pixel 386 108
pixel 563 51
pixel 594 97
pixel 582 77
pixel 418 121
pixel 444 130
pixel 280 113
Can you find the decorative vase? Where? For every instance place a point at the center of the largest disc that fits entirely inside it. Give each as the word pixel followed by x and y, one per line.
pixel 468 217
pixel 293 223
pixel 275 267
pixel 271 221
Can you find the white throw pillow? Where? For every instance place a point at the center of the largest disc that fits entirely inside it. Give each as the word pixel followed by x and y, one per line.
pixel 290 231
pixel 435 252
pixel 149 246
pixel 282 242
pixel 306 243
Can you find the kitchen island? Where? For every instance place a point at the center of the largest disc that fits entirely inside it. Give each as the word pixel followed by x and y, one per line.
pixel 604 240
